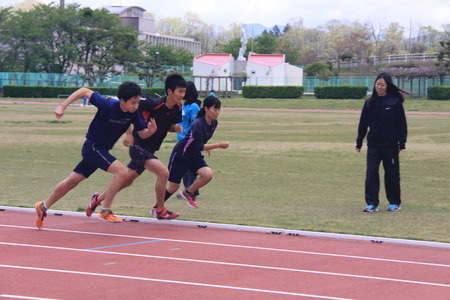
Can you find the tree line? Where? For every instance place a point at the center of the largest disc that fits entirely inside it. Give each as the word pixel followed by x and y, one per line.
pixel 70 39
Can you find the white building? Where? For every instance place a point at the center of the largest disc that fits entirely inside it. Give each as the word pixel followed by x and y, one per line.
pixel 271 69
pixel 212 72
pixel 134 16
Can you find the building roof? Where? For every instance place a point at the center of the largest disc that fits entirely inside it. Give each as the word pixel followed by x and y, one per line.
pixel 215 59
pixel 119 9
pixel 270 60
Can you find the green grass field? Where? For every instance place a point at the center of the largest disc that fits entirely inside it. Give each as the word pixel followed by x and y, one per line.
pixel 284 169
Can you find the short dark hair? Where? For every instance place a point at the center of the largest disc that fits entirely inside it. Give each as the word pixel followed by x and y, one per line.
pixel 128 90
pixel 173 81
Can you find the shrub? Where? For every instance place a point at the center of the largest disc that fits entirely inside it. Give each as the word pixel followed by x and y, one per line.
pixel 285 92
pixel 438 92
pixel 340 92
pixel 16 91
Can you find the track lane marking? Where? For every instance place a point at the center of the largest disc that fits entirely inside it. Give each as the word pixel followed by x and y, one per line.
pixel 234 264
pixel 238 246
pixel 172 281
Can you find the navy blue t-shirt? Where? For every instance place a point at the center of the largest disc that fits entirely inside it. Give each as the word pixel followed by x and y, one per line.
pixel 110 122
pixel 199 134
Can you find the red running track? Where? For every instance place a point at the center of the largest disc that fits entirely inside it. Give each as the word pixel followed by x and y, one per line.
pixel 80 257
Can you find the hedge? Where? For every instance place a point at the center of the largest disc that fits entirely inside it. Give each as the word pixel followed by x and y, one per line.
pixel 19 91
pixel 285 92
pixel 438 92
pixel 340 92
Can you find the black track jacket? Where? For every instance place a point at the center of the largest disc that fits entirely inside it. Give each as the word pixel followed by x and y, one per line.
pixel 385 117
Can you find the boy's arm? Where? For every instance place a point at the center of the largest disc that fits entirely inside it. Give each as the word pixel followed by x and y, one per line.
pixel 128 139
pixel 150 130
pixel 176 128
pixel 80 93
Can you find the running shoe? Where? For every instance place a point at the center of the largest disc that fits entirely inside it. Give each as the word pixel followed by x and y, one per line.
pixel 108 215
pixel 370 208
pixel 40 215
pixel 92 205
pixel 189 197
pixel 153 211
pixel 394 207
pixel 166 214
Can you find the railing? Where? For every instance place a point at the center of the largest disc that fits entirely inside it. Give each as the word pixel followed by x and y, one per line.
pixel 417 86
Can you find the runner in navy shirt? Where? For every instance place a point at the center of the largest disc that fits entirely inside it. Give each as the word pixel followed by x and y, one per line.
pixel 187 153
pixel 112 119
pixel 164 113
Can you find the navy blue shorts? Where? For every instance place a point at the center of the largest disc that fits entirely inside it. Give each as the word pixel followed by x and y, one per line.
pixel 138 157
pixel 178 167
pixel 93 158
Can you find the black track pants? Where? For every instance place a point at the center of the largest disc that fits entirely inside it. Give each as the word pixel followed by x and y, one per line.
pixel 391 165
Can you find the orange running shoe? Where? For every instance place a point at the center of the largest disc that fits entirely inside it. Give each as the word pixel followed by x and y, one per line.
pixel 40 215
pixel 108 215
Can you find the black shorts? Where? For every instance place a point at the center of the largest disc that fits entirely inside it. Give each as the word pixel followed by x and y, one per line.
pixel 138 157
pixel 178 167
pixel 93 158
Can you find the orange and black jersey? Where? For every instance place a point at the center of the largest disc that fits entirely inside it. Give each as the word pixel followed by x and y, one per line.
pixel 164 117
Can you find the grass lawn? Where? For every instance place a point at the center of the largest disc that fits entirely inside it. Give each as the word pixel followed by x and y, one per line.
pixel 284 169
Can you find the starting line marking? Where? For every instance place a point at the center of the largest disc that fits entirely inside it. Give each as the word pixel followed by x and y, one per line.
pixel 173 281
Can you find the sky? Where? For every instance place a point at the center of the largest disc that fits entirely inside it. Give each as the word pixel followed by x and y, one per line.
pixel 268 13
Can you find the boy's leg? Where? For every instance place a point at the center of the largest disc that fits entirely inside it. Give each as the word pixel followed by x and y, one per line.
pixel 97 198
pixel 120 173
pixel 63 188
pixel 160 170
pixel 60 190
pixel 162 173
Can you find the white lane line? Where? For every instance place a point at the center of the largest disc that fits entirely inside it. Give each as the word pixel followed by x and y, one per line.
pixel 240 246
pixel 172 281
pixel 233 264
pixel 23 297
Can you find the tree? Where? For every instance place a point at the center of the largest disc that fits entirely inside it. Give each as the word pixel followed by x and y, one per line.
pixel 443 63
pixel 276 31
pixel 104 45
pixel 320 70
pixel 266 43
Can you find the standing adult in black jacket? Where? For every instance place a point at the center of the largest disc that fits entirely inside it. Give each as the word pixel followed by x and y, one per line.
pixel 384 115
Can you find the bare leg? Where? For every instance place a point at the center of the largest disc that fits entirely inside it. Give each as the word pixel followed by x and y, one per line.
pixel 63 188
pixel 160 170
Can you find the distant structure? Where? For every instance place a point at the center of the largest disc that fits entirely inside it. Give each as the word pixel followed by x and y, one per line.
pixel 224 75
pixel 243 43
pixel 134 16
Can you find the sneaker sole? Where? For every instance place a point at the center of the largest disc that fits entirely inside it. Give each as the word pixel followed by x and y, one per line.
pixel 110 221
pixel 171 218
pixel 370 211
